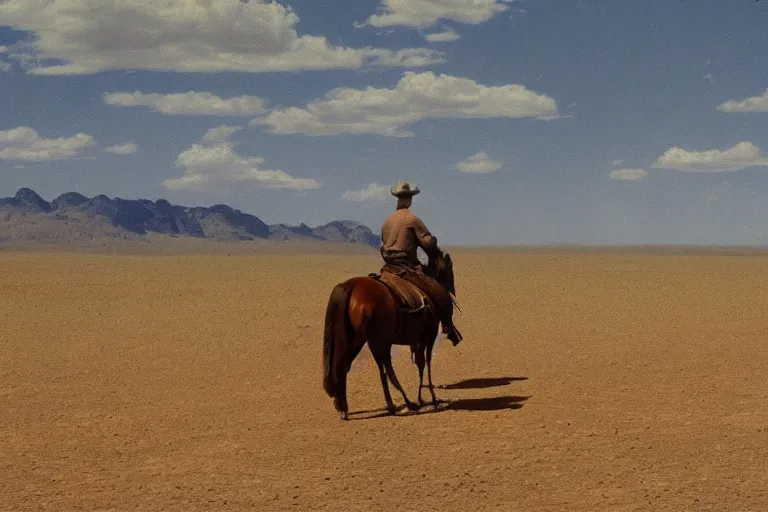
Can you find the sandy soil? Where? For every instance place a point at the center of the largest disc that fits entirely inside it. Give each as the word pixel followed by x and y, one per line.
pixel 586 381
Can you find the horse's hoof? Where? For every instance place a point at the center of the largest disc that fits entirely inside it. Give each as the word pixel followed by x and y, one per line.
pixel 413 407
pixel 344 416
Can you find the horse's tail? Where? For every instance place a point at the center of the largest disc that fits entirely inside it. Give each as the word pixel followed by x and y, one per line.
pixel 337 335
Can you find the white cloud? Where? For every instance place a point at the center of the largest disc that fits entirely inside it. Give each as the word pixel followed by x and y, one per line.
pixel 3 49
pixel 416 96
pixel 754 104
pixel 443 37
pixel 91 36
pixel 213 162
pixel 479 163
pixel 128 148
pixel 220 134
pixel 423 13
pixel 373 192
pixel 189 103
pixel 23 143
pixel 740 156
pixel 407 58
pixel 628 174
pixel 617 162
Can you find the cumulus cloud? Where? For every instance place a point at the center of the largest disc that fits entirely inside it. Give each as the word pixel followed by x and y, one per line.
pixel 91 36
pixel 189 103
pixel 754 104
pixel 423 13
pixel 628 174
pixel 213 162
pixel 416 96
pixel 740 156
pixel 373 192
pixel 128 148
pixel 24 143
pixel 479 163
pixel 443 37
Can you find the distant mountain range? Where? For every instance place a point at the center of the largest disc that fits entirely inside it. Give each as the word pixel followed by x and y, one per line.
pixel 73 218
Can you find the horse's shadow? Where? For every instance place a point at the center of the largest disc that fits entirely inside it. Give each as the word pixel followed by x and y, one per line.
pixel 480 383
pixel 496 403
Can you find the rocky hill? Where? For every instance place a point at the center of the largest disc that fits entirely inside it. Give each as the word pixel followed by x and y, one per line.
pixel 72 218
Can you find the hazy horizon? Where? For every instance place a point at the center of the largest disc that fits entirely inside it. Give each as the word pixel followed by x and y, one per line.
pixel 523 123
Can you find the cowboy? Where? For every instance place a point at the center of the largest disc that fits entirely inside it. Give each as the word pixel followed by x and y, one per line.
pixel 401 235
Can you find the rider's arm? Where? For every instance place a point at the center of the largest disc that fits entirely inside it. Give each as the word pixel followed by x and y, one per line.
pixel 427 241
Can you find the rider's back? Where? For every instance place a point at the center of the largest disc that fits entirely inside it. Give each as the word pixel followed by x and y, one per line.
pixel 403 232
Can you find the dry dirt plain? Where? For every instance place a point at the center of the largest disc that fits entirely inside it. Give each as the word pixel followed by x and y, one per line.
pixel 587 381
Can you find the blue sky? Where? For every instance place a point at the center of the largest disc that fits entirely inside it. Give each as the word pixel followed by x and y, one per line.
pixel 523 122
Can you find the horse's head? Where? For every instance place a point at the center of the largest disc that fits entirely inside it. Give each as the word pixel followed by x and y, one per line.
pixel 440 268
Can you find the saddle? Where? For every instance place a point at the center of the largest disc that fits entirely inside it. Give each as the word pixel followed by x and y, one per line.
pixel 409 297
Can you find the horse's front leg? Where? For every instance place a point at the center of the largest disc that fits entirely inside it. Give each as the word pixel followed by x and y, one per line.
pixel 419 356
pixel 429 373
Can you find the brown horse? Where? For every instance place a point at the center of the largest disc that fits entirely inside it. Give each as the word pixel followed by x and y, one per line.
pixel 362 309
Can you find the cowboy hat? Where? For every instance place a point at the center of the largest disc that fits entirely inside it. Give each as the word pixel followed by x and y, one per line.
pixel 404 189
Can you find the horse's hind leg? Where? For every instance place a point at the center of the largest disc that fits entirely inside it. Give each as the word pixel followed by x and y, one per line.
pixel 341 397
pixel 391 373
pixel 379 358
pixel 341 378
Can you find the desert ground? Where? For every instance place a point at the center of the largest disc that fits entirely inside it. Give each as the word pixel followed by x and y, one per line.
pixel 610 380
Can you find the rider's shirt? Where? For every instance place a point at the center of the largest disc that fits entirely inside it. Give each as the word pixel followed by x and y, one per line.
pixel 402 234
